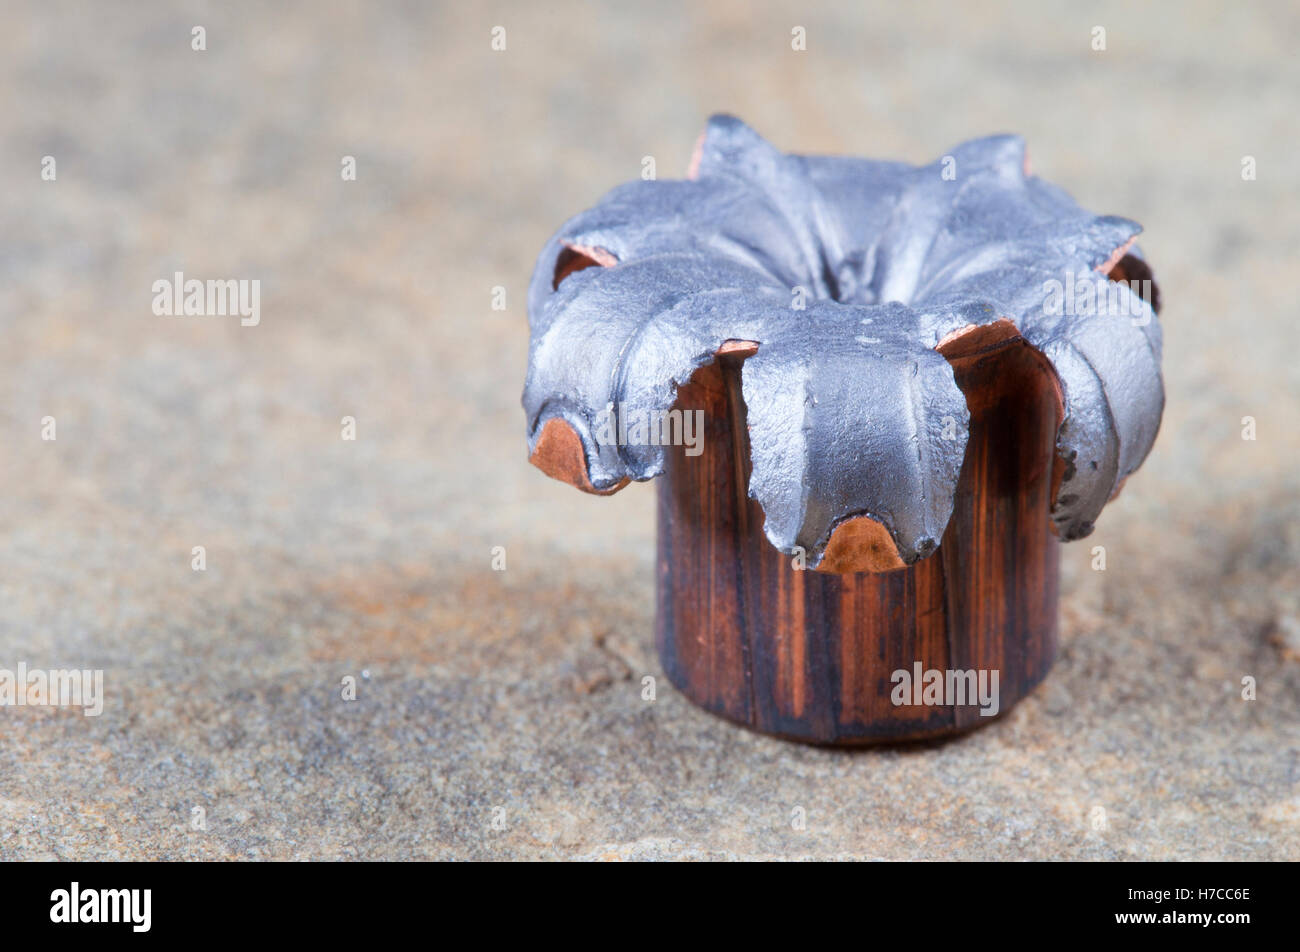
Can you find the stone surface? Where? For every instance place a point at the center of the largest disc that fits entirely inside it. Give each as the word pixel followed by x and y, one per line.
pixel 520 690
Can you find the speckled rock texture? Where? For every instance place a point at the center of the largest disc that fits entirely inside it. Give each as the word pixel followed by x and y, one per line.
pixel 500 714
pixel 847 274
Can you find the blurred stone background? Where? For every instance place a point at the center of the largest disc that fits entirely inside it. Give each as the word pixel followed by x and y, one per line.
pixel 520 689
